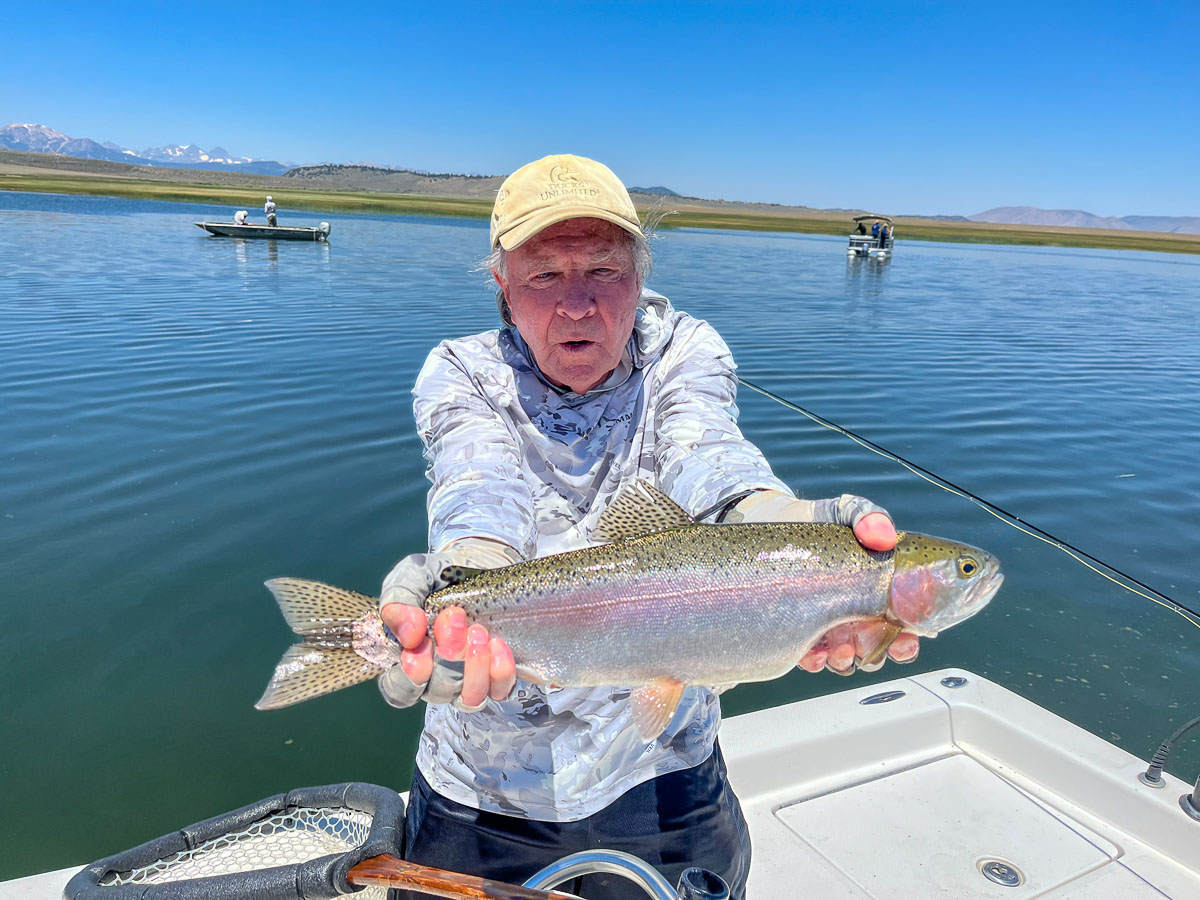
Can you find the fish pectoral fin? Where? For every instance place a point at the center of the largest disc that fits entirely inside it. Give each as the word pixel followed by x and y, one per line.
pixel 311 607
pixel 306 671
pixel 452 575
pixel 639 509
pixel 875 639
pixel 654 704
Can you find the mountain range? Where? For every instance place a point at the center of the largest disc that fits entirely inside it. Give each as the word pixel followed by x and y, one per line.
pixel 1077 218
pixel 42 139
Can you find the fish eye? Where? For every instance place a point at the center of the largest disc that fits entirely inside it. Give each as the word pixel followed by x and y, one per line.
pixel 967 566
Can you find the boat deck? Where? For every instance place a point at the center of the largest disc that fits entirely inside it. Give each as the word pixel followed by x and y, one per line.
pixel 939 791
pixel 930 793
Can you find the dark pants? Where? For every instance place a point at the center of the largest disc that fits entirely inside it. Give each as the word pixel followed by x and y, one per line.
pixel 686 818
pixel 271 219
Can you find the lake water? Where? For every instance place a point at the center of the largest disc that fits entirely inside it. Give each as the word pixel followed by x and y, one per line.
pixel 183 417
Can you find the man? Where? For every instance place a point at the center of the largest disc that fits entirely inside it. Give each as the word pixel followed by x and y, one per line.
pixel 239 217
pixel 530 431
pixel 269 209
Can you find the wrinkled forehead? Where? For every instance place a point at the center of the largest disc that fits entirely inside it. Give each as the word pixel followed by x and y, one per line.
pixel 590 239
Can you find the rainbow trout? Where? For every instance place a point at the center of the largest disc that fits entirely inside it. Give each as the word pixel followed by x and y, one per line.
pixel 663 604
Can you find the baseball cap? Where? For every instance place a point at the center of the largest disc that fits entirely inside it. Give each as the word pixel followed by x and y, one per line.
pixel 553 189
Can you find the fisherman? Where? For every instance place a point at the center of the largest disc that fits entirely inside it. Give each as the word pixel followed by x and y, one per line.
pixel 269 209
pixel 862 229
pixel 875 230
pixel 239 217
pixel 593 382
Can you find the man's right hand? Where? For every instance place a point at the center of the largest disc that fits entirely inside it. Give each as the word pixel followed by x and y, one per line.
pixel 461 665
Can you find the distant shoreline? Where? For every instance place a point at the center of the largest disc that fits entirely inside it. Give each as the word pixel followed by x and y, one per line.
pixel 40 173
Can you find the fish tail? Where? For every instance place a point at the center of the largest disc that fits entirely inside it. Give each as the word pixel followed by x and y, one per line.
pixel 311 607
pixel 326 617
pixel 307 670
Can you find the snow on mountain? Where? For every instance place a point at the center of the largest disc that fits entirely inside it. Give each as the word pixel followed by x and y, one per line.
pixel 42 139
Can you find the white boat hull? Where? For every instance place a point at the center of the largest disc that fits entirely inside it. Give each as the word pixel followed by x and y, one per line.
pixel 926 794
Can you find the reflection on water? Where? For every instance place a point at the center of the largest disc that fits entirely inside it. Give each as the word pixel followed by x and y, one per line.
pixel 186 416
pixel 866 274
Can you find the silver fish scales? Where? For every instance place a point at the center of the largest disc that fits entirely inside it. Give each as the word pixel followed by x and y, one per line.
pixel 665 603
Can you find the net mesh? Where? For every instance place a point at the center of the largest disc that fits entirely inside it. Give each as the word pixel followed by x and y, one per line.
pixel 293 836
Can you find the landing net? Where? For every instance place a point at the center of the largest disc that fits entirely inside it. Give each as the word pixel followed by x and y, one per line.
pixel 295 836
pixel 299 844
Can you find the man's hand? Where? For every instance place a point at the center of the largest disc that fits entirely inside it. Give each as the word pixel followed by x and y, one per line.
pixel 841 647
pixel 461 665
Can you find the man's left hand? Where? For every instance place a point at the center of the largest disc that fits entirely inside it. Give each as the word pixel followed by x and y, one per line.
pixel 840 649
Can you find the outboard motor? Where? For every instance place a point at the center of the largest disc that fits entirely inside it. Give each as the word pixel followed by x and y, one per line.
pixel 324 229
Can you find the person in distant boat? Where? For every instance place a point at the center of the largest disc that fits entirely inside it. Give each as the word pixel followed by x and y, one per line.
pixel 883 235
pixel 239 217
pixel 593 382
pixel 875 229
pixel 269 209
pixel 862 229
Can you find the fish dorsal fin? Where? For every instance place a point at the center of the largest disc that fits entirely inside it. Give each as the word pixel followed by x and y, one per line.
pixel 639 509
pixel 452 575
pixel 311 607
pixel 654 704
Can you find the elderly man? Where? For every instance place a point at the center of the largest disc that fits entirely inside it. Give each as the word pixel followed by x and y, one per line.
pixel 593 383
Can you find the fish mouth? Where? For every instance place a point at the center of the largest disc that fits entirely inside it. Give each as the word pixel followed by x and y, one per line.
pixel 987 588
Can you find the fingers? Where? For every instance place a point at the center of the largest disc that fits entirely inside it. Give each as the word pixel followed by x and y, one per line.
pixel 488 666
pixel 418 662
pixel 835 651
pixel 904 648
pixel 502 671
pixel 814 659
pixel 407 623
pixel 450 633
pixel 875 531
pixel 476 677
pixel 843 646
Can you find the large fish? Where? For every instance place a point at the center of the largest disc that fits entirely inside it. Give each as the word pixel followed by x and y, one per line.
pixel 663 604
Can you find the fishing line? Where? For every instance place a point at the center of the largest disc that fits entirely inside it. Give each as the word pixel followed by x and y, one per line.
pixel 1099 566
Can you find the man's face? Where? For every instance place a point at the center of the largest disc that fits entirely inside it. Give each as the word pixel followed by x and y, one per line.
pixel 573 294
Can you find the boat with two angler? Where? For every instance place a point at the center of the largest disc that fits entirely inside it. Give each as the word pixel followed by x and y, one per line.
pixel 873 236
pixel 273 232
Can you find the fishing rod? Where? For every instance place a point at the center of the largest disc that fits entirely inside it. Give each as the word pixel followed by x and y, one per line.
pixel 1099 566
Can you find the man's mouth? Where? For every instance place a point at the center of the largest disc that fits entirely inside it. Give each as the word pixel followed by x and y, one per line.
pixel 577 345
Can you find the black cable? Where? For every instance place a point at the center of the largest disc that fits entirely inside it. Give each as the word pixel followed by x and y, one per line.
pixel 997 510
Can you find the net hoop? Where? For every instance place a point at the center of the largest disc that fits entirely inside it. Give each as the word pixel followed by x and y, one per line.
pixel 357 820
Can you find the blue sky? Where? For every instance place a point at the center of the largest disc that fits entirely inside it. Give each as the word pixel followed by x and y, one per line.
pixel 934 108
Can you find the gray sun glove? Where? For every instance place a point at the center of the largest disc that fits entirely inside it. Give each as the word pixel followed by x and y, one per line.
pixel 775 506
pixel 412 580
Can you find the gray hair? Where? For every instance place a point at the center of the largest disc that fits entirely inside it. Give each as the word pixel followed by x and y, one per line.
pixel 639 249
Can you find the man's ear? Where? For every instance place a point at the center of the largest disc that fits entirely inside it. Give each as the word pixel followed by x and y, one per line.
pixel 500 280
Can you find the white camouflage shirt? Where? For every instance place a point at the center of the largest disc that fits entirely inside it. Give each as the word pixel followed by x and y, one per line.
pixel 514 458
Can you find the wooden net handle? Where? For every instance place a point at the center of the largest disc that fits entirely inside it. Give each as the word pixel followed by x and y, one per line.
pixel 390 871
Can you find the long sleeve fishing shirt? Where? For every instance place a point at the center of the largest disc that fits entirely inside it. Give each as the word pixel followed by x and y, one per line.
pixel 515 458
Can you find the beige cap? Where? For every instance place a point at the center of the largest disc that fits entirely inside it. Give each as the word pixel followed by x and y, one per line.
pixel 556 188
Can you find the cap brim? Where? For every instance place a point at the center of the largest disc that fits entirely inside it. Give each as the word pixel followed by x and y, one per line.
pixel 543 219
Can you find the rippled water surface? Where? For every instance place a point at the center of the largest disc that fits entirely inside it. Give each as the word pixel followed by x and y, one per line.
pixel 183 417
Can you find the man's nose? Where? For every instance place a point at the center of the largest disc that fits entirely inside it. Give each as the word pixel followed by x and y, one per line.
pixel 578 300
